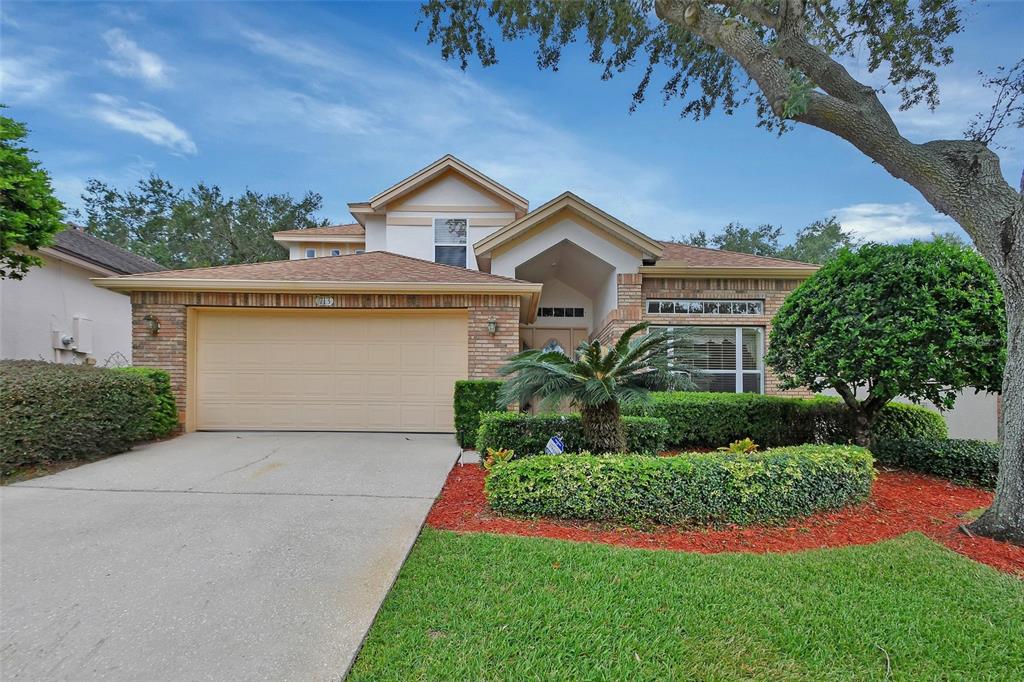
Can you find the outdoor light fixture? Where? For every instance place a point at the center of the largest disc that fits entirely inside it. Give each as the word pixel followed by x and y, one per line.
pixel 492 326
pixel 153 323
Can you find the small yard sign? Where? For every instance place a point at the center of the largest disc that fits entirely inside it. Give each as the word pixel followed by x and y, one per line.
pixel 555 446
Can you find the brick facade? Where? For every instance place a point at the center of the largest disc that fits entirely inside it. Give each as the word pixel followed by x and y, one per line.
pixel 168 348
pixel 636 290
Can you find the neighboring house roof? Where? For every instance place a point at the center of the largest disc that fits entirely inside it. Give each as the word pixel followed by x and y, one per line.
pixel 346 230
pixel 579 206
pixel 679 258
pixel 99 253
pixel 377 272
pixel 445 164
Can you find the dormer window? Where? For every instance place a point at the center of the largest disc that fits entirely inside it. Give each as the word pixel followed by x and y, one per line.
pixel 335 252
pixel 450 241
pixel 310 253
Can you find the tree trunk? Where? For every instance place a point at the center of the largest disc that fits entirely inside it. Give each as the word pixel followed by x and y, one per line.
pixel 1004 520
pixel 602 428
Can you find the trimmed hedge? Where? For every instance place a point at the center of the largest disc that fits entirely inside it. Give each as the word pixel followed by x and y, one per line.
pixel 528 434
pixel 714 419
pixel 51 412
pixel 961 460
pixel 163 418
pixel 691 488
pixel 472 397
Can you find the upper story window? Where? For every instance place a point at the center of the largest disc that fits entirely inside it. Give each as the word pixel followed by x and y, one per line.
pixel 310 253
pixel 701 307
pixel 560 312
pixel 335 252
pixel 450 241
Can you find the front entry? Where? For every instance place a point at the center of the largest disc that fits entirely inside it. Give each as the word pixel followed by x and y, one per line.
pixel 563 339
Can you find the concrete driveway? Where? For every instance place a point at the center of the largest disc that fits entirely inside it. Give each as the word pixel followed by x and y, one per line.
pixel 213 556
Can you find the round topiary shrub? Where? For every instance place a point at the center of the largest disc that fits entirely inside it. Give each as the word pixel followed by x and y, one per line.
pixel 692 488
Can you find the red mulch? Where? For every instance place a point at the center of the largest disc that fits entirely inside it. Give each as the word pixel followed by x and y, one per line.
pixel 900 502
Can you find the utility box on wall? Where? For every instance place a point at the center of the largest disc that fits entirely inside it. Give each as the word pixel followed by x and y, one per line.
pixel 81 328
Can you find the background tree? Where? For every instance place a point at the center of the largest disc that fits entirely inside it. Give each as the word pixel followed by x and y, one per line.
pixel 786 58
pixel 29 213
pixel 816 243
pixel 923 320
pixel 598 379
pixel 195 228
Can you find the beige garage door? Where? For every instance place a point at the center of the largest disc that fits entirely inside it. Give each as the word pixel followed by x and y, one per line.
pixel 328 370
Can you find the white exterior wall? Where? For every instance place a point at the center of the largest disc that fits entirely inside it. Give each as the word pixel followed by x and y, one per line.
pixel 376 233
pixel 558 294
pixel 47 300
pixel 569 229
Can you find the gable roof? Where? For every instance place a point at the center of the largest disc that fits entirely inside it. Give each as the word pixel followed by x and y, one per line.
pixel 679 258
pixel 445 164
pixel 579 206
pixel 347 229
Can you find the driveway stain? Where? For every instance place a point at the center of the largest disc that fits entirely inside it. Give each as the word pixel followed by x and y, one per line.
pixel 266 468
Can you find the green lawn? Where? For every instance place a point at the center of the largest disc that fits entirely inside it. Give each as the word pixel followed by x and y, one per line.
pixel 490 607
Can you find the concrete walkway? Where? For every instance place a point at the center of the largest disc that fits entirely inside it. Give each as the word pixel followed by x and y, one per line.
pixel 213 556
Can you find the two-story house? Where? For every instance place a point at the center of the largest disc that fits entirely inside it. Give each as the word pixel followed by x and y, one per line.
pixel 442 276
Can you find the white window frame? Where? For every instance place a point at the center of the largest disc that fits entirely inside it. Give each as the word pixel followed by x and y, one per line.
pixel 740 372
pixel 464 245
pixel 310 253
pixel 704 303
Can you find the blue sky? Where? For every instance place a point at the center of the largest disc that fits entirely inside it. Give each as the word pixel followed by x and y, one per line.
pixel 346 98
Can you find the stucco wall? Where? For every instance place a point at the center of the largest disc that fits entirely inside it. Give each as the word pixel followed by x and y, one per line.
pixel 48 299
pixel 297 250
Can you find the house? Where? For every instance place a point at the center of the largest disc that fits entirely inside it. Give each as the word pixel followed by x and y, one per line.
pixel 442 276
pixel 56 314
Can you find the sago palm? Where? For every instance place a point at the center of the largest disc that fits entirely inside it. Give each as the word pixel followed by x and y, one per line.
pixel 598 379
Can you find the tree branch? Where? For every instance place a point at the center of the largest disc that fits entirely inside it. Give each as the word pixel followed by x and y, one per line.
pixel 754 11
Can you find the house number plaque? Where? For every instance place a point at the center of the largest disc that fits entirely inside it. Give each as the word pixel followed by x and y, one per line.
pixel 324 300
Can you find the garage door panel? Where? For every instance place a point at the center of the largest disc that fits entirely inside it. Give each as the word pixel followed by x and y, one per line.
pixel 328 370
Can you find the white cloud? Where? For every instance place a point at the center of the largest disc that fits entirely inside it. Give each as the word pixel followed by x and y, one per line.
pixel 27 79
pixel 144 121
pixel 892 222
pixel 132 61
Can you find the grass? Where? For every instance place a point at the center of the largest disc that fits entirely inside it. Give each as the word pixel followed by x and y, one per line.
pixel 491 607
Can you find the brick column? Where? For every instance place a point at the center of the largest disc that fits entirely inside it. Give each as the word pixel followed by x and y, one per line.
pixel 489 352
pixel 629 309
pixel 167 349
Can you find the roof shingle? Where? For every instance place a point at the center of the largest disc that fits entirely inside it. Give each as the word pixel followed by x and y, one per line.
pixel 348 229
pixel 370 267
pixel 697 256
pixel 78 243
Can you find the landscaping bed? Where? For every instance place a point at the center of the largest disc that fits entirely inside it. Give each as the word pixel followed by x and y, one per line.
pixel 900 502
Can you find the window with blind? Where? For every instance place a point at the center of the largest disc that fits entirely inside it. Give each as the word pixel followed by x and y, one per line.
pixel 729 359
pixel 450 241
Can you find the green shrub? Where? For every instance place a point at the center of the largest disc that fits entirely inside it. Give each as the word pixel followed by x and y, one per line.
pixel 961 460
pixel 471 398
pixel 711 420
pixel 51 412
pixel 164 415
pixel 528 434
pixel 691 488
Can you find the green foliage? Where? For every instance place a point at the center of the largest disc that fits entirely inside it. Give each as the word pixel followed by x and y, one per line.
pixel 472 397
pixel 528 434
pixel 740 447
pixel 710 420
pixel 923 320
pixel 497 458
pixel 907 39
pixel 164 415
pixel 51 412
pixel 961 460
pixel 616 613
pixel 818 242
pixel 29 212
pixel 197 228
pixel 691 488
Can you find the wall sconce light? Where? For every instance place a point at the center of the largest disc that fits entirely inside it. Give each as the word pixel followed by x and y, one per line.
pixel 492 326
pixel 153 323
